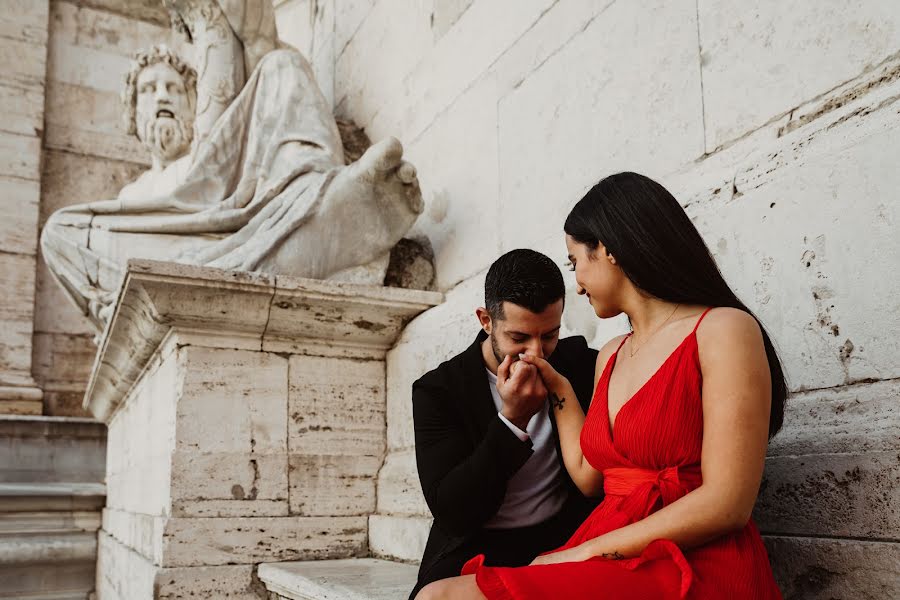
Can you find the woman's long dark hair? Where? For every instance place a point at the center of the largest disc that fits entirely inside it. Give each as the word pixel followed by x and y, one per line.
pixel 658 248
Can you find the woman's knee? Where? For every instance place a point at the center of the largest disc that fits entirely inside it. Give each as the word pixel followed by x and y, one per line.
pixel 433 591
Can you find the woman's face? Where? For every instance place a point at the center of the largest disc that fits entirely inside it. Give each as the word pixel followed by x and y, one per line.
pixel 597 277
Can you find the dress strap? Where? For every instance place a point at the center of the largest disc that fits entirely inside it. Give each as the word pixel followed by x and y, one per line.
pixel 701 319
pixel 622 343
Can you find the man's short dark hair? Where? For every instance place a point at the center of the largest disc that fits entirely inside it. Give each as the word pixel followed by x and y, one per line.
pixel 524 277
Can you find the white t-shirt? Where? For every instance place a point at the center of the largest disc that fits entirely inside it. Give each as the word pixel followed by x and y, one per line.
pixel 535 492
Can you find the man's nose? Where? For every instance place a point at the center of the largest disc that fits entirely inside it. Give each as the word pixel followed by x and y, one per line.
pixel 579 290
pixel 535 348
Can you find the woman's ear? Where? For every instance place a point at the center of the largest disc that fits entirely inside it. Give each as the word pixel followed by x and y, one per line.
pixel 601 250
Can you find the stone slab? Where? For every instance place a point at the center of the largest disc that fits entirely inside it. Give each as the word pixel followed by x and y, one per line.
pixel 125 575
pixel 446 14
pixel 335 407
pixel 231 401
pixel 19 203
pixel 855 419
pixel 26 63
pixel 16 314
pixel 56 548
pixel 59 401
pixel 398 537
pixel 459 58
pixel 229 484
pixel 141 442
pixel 89 24
pixel 52 449
pixel 370 68
pixel 49 522
pixel 647 124
pixel 349 16
pixel 50 496
pixel 822 568
pixel 333 484
pixel 458 153
pixel 763 59
pixel 80 120
pixel 19 407
pixel 65 581
pixel 20 156
pixel 23 110
pixel 399 490
pixel 349 579
pixel 62 359
pixel 196 542
pixel 839 495
pixel 309 313
pixel 25 20
pixel 186 542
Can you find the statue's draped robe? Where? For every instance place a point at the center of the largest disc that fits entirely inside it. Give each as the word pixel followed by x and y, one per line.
pixel 258 176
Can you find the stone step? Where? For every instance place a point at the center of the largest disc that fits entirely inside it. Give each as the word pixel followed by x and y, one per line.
pixel 57 566
pixel 59 581
pixel 346 579
pixel 44 548
pixel 51 496
pixel 15 523
pixel 49 449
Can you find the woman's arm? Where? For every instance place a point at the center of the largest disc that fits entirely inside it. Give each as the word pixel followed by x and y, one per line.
pixel 570 419
pixel 736 404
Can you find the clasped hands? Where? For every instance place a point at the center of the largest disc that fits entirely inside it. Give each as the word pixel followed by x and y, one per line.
pixel 524 383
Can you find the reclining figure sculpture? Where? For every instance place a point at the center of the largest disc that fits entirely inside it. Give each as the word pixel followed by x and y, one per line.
pixel 247 171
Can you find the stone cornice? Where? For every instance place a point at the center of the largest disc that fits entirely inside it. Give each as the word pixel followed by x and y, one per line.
pixel 157 299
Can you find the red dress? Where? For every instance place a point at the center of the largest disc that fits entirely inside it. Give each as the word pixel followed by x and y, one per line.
pixel 649 459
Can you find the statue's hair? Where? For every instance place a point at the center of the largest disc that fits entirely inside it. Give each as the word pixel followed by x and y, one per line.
pixel 143 59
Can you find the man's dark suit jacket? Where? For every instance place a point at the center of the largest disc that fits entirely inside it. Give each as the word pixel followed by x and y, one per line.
pixel 466 454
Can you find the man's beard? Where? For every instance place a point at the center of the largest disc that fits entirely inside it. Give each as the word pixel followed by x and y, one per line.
pixel 495 348
pixel 168 138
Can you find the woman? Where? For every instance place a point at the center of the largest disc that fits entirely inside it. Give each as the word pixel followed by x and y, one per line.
pixel 677 430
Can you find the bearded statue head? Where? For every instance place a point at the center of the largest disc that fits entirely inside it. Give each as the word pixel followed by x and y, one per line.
pixel 160 100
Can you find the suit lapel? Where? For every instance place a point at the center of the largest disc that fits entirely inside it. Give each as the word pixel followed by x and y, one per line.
pixel 479 404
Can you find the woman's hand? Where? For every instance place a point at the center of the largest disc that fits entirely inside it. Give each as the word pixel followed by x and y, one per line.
pixel 552 379
pixel 576 554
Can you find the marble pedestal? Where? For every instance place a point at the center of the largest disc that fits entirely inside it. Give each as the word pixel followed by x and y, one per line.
pixel 246 420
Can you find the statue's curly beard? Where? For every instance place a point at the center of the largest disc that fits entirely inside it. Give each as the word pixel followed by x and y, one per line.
pixel 167 138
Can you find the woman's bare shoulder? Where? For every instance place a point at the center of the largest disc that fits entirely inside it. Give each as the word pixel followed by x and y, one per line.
pixel 729 331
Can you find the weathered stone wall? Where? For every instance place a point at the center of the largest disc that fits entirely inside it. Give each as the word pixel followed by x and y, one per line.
pixel 86 156
pixel 23 51
pixel 776 124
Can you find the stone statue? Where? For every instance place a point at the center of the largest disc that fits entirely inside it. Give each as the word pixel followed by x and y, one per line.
pixel 247 174
pixel 160 99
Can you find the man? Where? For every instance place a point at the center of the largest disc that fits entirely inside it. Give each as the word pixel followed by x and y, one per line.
pixel 486 445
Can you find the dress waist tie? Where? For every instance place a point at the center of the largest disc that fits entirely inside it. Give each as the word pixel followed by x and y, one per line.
pixel 648 490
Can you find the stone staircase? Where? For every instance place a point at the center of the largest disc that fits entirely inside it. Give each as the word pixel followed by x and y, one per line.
pixel 51 495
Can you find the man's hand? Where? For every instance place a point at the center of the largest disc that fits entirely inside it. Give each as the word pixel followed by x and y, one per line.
pixel 521 389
